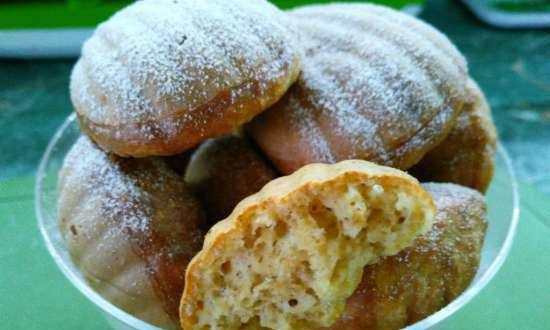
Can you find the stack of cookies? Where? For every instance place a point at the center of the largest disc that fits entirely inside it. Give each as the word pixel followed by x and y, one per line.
pixel 244 168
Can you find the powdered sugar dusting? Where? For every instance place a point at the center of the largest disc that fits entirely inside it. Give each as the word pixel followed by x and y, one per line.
pixel 424 277
pixel 321 150
pixel 129 224
pixel 454 196
pixel 156 57
pixel 374 81
pixel 108 187
pixel 461 220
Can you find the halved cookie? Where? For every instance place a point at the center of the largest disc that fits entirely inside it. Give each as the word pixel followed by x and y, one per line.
pixel 290 255
pixel 418 281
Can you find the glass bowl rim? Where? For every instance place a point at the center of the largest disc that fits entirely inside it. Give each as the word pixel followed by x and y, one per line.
pixel 134 322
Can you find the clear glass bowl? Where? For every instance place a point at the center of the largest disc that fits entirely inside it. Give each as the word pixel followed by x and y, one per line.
pixel 503 201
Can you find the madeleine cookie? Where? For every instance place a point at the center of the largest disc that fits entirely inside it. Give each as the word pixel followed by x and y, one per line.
pixel 223 172
pixel 290 255
pixel 160 76
pixel 467 155
pixel 131 226
pixel 407 287
pixel 376 84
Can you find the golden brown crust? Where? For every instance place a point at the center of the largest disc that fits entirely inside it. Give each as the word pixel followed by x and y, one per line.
pixel 131 227
pixel 375 85
pixel 467 155
pixel 407 287
pixel 161 76
pixel 228 110
pixel 223 172
pixel 336 217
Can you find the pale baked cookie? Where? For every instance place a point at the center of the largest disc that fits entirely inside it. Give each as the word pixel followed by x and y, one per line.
pixel 162 75
pixel 376 84
pixel 131 227
pixel 223 172
pixel 289 256
pixel 407 287
pixel 467 155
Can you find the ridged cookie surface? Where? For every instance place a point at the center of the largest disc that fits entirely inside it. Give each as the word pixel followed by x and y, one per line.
pixel 162 75
pixel 376 84
pixel 467 155
pixel 131 226
pixel 405 288
pixel 290 255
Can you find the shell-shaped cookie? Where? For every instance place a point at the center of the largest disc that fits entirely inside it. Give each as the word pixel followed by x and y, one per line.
pixel 162 75
pixel 411 285
pixel 467 155
pixel 131 226
pixel 376 84
pixel 224 171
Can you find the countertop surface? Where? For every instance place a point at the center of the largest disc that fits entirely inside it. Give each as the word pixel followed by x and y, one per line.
pixel 512 67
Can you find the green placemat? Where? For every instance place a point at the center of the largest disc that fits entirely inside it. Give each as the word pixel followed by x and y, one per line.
pixel 35 295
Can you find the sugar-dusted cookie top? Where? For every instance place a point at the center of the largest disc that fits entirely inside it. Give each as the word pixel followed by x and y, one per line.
pixel 160 76
pixel 376 84
pixel 131 226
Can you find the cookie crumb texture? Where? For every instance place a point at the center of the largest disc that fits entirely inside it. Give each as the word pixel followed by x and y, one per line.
pixel 289 256
pixel 405 288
